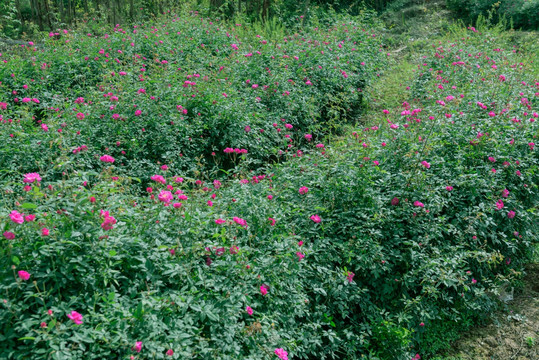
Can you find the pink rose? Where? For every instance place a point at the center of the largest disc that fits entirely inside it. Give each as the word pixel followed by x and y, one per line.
pixel 76 317
pixel 24 275
pixel 31 177
pixel 16 217
pixel 107 159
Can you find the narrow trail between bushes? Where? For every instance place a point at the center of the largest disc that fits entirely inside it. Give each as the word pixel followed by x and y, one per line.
pixel 513 331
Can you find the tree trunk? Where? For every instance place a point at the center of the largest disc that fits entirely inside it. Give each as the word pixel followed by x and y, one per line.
pixel 265 9
pixel 305 9
pixel 38 15
pixel 32 10
pixel 18 6
pixel 61 11
pixel 113 13
pixel 48 13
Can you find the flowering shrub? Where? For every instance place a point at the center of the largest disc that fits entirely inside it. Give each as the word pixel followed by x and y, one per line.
pixel 188 92
pixel 369 249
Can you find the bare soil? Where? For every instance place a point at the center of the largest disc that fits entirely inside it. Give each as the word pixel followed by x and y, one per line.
pixel 513 332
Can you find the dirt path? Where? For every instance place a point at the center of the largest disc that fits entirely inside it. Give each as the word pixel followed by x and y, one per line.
pixel 512 334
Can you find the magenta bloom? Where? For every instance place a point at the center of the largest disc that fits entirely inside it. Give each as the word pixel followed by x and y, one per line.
pixel 220 221
pixel 138 346
pixel 505 193
pixel 24 275
pixel 31 177
pixel 9 235
pixel 170 352
pixel 308 137
pixel 108 221
pixel 300 256
pixel 350 276
pixel 281 354
pixel 449 188
pixel 316 218
pixel 45 232
pixel 395 201
pixel 264 289
pixel 107 159
pixel 240 221
pixel 76 317
pixel 159 179
pixel 303 190
pixel 272 221
pixel 165 196
pixel 425 164
pixel 16 217
pixel 511 214
pixel 249 310
pixel 419 204
pixel 29 218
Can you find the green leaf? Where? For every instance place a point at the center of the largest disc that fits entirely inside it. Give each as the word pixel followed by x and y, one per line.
pixel 29 206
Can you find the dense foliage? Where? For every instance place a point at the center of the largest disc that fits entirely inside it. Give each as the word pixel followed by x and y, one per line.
pixel 25 17
pixel 375 246
pixel 523 14
pixel 181 93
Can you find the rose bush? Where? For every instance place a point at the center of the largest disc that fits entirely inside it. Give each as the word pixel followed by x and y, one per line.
pixel 378 246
